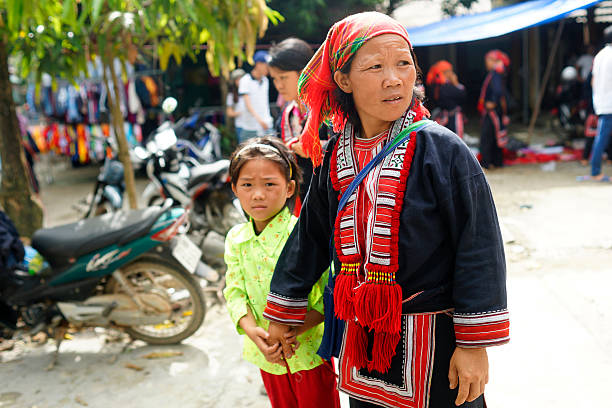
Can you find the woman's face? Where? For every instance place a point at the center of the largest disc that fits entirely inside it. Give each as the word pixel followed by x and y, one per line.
pixel 381 79
pixel 286 83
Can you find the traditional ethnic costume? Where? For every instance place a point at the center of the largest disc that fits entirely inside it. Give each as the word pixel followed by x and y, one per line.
pixel 291 126
pixel 494 135
pixel 447 97
pixel 417 252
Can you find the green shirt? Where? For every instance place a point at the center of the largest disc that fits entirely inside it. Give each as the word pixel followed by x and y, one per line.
pixel 250 260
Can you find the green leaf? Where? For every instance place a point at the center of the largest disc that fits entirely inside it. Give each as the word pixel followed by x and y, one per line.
pixel 96 9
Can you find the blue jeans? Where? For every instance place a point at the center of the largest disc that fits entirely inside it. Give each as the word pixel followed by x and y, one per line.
pixel 244 135
pixel 604 129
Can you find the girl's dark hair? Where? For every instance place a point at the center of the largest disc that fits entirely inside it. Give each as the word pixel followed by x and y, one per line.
pixel 345 100
pixel 280 155
pixel 291 54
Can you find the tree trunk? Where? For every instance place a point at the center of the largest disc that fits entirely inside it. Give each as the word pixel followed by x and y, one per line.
pixel 16 197
pixel 117 120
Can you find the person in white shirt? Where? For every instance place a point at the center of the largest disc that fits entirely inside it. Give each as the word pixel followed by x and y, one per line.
pixel 602 102
pixel 254 89
pixel 584 64
pixel 234 105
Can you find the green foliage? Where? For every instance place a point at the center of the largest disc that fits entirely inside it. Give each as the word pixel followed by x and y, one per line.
pixel 59 36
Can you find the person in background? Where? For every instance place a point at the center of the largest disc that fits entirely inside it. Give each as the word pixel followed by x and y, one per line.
pixel 254 89
pixel 234 105
pixel 602 103
pixel 448 95
pixel 584 63
pixel 265 177
pixel 287 60
pixel 493 108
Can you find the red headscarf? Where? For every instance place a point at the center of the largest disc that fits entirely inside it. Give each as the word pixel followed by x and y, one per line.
pixel 435 76
pixel 316 84
pixel 501 58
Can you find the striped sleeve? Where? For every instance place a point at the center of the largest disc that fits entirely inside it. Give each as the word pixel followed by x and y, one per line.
pixel 482 329
pixel 282 309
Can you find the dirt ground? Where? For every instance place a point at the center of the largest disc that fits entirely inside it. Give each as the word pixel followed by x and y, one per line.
pixel 558 235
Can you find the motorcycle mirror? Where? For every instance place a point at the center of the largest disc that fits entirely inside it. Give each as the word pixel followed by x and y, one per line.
pixel 165 139
pixel 151 147
pixel 169 105
pixel 141 153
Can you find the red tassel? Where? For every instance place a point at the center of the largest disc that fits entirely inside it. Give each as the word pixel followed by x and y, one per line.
pixel 346 282
pixel 356 345
pixel 379 306
pixel 383 350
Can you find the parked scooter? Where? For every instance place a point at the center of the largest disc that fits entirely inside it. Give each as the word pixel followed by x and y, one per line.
pixel 204 188
pixel 570 110
pixel 130 269
pixel 108 192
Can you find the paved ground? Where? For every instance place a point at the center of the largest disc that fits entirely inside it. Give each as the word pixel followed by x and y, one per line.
pixel 559 251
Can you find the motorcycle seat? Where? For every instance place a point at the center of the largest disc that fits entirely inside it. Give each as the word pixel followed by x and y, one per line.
pixel 58 244
pixel 207 172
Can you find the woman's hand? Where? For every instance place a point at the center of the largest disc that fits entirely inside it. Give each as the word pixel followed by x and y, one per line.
pixel 277 333
pixel 272 353
pixel 469 368
pixel 298 149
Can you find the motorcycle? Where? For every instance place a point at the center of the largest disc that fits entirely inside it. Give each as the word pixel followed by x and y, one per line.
pixel 108 192
pixel 204 188
pixel 570 110
pixel 131 270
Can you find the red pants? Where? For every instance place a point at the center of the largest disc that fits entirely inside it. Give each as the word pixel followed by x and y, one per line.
pixel 314 388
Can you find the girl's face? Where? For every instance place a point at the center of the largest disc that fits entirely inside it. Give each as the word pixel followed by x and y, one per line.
pixel 490 63
pixel 381 79
pixel 262 190
pixel 286 83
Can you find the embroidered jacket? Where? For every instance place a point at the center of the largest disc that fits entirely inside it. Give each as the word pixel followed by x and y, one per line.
pixel 250 260
pixel 450 247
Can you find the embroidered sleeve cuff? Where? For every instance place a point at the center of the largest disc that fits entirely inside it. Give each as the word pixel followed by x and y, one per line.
pixel 285 310
pixel 482 329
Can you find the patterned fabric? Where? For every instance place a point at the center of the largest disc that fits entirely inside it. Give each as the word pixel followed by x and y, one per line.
pixel 250 260
pixel 316 84
pixel 482 329
pixel 292 123
pixel 365 293
pixel 415 363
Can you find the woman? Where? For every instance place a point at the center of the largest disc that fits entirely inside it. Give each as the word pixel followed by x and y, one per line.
pixel 286 62
pixel 418 256
pixel 235 103
pixel 448 95
pixel 493 108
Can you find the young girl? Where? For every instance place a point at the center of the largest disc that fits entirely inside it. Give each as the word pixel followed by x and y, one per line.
pixel 265 176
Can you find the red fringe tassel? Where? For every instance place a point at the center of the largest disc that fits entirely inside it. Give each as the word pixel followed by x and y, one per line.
pixel 383 351
pixel 379 306
pixel 356 345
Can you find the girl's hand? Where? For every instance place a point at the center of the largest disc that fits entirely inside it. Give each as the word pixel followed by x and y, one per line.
pixel 277 335
pixel 272 353
pixel 469 367
pixel 291 338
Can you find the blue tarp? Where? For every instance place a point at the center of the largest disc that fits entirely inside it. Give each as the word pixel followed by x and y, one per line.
pixel 494 23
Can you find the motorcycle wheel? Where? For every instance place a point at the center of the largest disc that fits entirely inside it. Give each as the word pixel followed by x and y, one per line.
pixel 170 280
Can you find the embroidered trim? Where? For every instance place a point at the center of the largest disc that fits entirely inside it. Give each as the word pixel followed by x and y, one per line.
pixel 482 329
pixel 418 347
pixel 282 309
